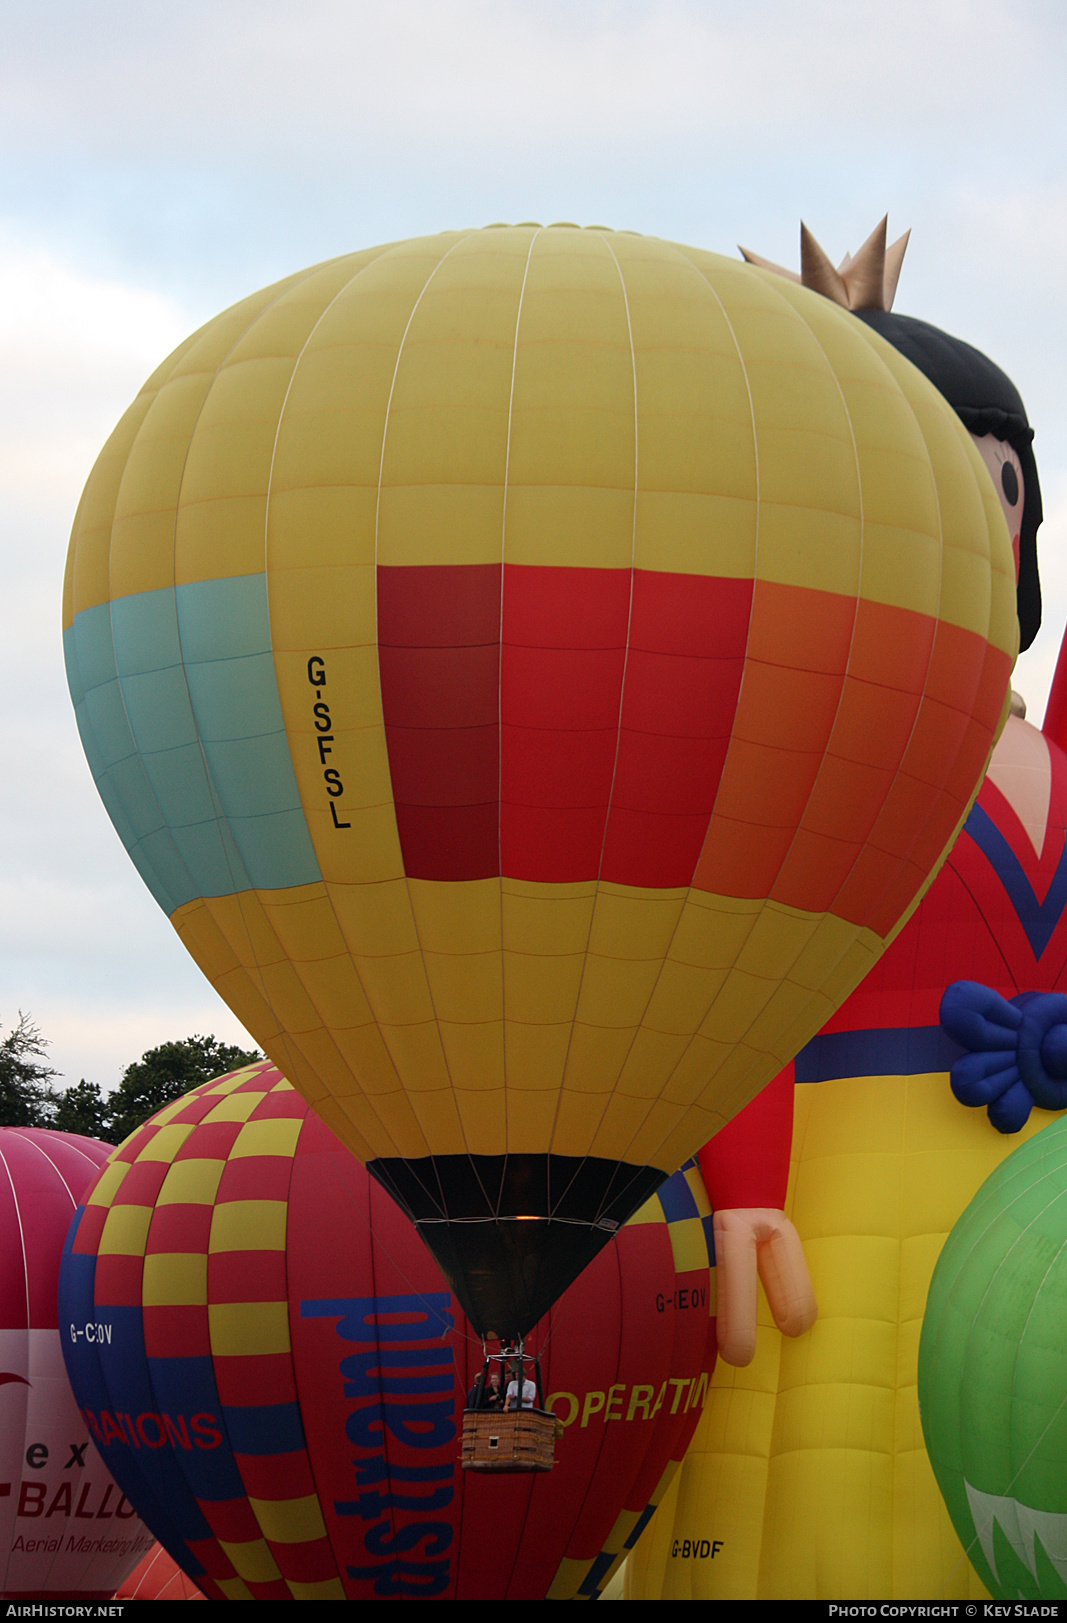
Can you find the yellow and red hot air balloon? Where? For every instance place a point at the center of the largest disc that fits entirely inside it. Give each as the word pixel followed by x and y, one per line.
pixel 536 670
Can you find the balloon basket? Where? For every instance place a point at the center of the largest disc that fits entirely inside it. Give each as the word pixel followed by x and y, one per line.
pixel 524 1440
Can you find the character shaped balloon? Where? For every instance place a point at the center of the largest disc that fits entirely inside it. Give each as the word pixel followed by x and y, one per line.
pixel 536 670
pixel 983 397
pixel 831 1492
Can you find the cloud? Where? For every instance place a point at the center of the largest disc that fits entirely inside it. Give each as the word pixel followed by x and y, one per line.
pixel 1035 670
pixel 208 149
pixel 79 948
pixel 285 77
pixel 74 350
pixel 205 149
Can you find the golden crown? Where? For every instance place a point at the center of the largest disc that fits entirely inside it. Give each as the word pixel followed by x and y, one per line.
pixel 866 282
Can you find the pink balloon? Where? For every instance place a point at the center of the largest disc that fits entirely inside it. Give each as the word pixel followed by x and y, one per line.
pixel 158 1577
pixel 66 1531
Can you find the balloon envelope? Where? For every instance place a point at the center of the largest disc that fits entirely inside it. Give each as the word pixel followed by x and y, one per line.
pixel 535 670
pixel 66 1531
pixel 830 1492
pixel 158 1577
pixel 993 1373
pixel 283 1386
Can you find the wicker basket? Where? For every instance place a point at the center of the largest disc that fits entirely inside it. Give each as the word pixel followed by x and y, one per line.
pixel 524 1440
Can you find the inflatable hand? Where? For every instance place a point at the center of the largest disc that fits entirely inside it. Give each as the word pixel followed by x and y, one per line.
pixel 759 1239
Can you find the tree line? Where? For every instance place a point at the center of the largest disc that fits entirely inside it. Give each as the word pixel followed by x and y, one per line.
pixel 29 1097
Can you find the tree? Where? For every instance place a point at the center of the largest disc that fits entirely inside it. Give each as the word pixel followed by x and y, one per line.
pixel 84 1110
pixel 27 1098
pixel 165 1073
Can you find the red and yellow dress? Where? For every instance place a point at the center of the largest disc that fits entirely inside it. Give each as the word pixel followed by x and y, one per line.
pixel 808 1475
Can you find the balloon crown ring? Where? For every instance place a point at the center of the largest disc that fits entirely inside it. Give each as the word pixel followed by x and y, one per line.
pixel 1016 1051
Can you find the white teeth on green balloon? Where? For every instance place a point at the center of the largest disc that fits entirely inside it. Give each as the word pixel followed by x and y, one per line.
pixel 1022 1526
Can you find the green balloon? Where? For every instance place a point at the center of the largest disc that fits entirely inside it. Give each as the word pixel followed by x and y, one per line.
pixel 993 1373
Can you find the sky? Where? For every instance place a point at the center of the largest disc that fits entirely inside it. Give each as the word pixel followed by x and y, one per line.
pixel 159 162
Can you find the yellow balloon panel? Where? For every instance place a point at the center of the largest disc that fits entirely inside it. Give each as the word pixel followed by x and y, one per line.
pixel 535 669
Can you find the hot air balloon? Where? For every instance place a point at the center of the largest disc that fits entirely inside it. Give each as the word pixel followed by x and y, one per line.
pixel 158 1577
pixel 66 1531
pixel 993 1373
pixel 809 1467
pixel 281 1377
pixel 884 1160
pixel 536 670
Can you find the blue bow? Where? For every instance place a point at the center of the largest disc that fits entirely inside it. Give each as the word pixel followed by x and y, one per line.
pixel 1017 1051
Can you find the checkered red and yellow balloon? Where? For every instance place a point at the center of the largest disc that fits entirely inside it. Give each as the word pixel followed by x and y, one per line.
pixel 269 1361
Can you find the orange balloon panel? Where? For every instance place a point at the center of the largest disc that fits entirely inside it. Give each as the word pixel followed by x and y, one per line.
pixel 535 670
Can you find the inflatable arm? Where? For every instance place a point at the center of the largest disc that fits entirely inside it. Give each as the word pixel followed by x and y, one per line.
pixel 746 1170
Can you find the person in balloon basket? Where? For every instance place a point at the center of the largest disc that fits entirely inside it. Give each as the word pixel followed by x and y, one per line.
pixel 486 1394
pixel 529 1395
